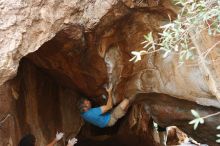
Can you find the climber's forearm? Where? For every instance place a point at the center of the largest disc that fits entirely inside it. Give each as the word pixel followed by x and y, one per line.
pixel 109 101
pixel 52 143
pixel 108 105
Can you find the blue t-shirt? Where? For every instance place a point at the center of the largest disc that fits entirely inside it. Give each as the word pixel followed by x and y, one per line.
pixel 95 116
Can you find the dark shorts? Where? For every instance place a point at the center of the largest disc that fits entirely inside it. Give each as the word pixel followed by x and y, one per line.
pixel 161 129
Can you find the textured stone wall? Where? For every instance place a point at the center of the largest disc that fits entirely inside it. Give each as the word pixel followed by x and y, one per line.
pixel 73 48
pixel 42 107
pixel 37 21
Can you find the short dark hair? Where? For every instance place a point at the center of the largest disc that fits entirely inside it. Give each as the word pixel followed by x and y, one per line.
pixel 80 104
pixel 28 140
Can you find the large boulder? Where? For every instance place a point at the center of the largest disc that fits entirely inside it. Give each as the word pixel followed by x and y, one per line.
pixel 73 48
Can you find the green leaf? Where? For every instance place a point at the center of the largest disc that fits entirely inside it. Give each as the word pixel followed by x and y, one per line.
pixel 145 37
pixel 150 37
pixel 193 121
pixel 176 48
pixel 137 56
pixel 167 26
pixel 195 113
pixel 196 125
pixel 188 55
pixel 201 121
pixel 166 54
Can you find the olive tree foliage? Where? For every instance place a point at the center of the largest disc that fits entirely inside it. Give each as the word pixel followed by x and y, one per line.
pixel 201 120
pixel 194 16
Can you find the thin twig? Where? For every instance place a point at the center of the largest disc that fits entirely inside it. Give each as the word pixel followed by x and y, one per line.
pixel 211 115
pixel 210 49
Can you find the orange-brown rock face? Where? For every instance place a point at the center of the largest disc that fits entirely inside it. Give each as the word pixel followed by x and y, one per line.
pixel 167 111
pixel 42 106
pixel 71 58
pixel 91 48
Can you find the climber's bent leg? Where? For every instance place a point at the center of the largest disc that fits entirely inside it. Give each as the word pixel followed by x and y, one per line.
pixel 118 112
pixel 124 104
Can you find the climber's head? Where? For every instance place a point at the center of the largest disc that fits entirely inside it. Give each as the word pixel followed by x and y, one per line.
pixel 84 105
pixel 28 140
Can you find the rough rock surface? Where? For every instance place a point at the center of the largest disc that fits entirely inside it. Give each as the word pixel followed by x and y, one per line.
pixel 73 48
pixel 37 21
pixel 170 112
pixel 38 105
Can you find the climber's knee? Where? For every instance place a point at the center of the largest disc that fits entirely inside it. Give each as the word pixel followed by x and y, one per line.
pixel 124 104
pixel 116 114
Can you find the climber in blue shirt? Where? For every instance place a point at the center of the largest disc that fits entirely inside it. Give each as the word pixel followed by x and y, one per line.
pixel 101 116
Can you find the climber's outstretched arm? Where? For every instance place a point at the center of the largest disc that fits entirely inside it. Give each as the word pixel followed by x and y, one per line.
pixel 58 137
pixel 108 105
pixel 52 143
